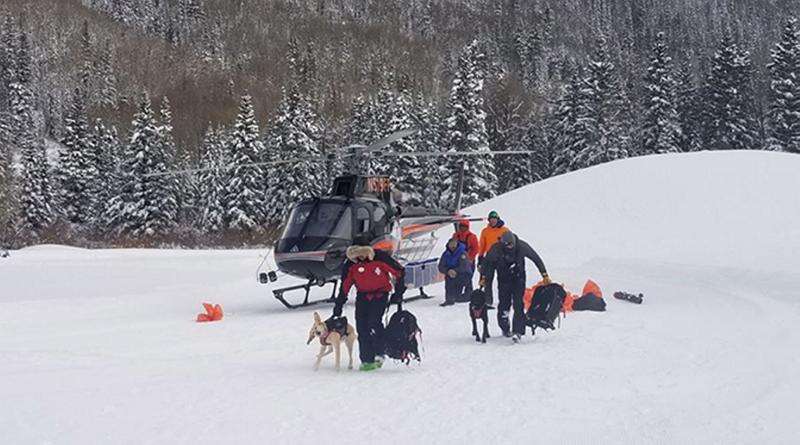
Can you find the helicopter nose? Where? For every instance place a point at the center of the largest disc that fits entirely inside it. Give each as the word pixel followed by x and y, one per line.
pixel 306 268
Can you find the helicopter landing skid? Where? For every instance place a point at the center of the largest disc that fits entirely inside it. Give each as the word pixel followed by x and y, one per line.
pixel 279 294
pixel 422 296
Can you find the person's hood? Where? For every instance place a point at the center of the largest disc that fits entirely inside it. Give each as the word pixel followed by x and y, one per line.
pixel 508 238
pixel 353 252
pixel 459 250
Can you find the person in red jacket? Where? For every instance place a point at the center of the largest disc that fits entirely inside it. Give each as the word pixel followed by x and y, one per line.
pixel 470 240
pixel 371 278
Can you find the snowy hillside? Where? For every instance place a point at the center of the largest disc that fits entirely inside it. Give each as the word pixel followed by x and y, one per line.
pixel 101 347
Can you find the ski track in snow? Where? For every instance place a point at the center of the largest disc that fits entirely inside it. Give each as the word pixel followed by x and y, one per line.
pixel 101 346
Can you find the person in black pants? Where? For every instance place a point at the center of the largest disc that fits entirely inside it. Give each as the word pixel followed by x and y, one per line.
pixel 507 258
pixel 457 271
pixel 371 278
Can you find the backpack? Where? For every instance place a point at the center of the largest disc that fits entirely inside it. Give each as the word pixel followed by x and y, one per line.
pixel 337 324
pixel 545 306
pixel 401 337
pixel 589 302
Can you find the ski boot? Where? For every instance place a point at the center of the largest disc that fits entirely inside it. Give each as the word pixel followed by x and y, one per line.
pixel 369 366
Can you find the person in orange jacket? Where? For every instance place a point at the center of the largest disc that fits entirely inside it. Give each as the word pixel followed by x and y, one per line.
pixel 490 235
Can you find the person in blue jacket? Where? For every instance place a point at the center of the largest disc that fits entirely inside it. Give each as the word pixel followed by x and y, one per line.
pixel 457 270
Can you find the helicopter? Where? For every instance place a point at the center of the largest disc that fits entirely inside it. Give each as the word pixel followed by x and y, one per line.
pixel 319 230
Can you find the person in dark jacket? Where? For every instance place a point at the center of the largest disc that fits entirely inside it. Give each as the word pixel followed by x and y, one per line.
pixel 507 258
pixel 490 235
pixel 454 264
pixel 464 235
pixel 372 280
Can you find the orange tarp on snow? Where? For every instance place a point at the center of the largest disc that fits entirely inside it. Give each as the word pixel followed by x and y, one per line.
pixel 213 313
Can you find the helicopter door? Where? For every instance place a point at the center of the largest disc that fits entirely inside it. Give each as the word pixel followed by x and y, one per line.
pixel 363 223
pixel 380 220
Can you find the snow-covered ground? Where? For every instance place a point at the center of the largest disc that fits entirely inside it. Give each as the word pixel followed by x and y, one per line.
pixel 101 346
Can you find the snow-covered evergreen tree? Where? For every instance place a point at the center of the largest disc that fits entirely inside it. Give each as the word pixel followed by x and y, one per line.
pixel 688 104
pixel 6 181
pixel 361 129
pixel 77 173
pixel 602 122
pixel 35 194
pixel 35 202
pixel 176 184
pixel 729 118
pixel 429 140
pixel 243 200
pixel 564 125
pixel 107 153
pixel 394 113
pixel 145 205
pixel 107 95
pixel 540 139
pixel 784 121
pixel 212 182
pixel 466 128
pixel 661 132
pixel 505 131
pixel 293 136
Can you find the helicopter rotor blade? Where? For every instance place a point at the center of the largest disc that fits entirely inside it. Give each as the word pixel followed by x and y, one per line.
pixel 389 140
pixel 455 154
pixel 231 167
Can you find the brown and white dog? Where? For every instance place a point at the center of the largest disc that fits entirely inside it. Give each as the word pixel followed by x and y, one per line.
pixel 331 341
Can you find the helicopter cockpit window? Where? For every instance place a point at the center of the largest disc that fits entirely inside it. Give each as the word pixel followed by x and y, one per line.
pixel 362 220
pixel 332 220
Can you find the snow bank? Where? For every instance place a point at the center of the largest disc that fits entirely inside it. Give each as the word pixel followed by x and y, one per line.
pixel 733 209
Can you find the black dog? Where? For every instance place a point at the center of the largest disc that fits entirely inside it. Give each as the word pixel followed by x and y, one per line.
pixel 478 311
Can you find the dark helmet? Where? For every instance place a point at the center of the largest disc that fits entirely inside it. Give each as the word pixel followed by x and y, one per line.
pixel 508 240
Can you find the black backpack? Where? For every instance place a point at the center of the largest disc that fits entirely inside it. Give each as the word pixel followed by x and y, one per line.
pixel 546 303
pixel 401 337
pixel 589 302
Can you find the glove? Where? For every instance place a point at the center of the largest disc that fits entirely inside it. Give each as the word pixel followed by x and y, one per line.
pixel 546 279
pixel 451 273
pixel 482 282
pixel 396 298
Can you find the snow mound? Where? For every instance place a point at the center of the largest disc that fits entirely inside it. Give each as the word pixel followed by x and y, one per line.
pixel 44 248
pixel 729 209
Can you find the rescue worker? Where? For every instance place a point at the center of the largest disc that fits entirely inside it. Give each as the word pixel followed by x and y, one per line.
pixel 489 237
pixel 364 239
pixel 457 271
pixel 371 277
pixel 507 258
